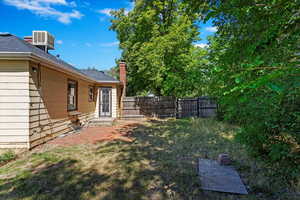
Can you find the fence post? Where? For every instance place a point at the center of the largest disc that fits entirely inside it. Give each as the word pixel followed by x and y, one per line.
pixel 178 111
pixel 176 107
pixel 198 107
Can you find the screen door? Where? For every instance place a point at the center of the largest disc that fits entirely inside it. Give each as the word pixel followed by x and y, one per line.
pixel 105 102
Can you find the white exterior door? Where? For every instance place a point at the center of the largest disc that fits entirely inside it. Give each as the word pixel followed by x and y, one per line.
pixel 105 102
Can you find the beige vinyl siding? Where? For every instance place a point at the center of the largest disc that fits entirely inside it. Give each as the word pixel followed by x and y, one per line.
pixel 14 79
pixel 14 104
pixel 13 132
pixel 14 118
pixel 13 99
pixel 9 92
pixel 13 86
pixel 4 126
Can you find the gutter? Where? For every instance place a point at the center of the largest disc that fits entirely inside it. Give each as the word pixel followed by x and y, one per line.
pixel 32 56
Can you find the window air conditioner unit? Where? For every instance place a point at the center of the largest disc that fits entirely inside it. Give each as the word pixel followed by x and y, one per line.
pixel 43 39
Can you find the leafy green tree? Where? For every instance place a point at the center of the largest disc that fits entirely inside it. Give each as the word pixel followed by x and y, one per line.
pixel 255 74
pixel 156 39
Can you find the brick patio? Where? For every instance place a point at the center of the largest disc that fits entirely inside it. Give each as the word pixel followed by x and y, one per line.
pixel 120 131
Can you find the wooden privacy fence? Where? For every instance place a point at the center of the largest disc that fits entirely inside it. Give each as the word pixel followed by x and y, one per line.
pixel 164 107
pixel 196 107
pixel 160 107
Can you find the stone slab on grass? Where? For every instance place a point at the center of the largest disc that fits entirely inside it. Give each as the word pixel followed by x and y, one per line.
pixel 220 178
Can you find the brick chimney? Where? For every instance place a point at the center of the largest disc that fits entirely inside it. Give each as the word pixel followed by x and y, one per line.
pixel 28 39
pixel 123 80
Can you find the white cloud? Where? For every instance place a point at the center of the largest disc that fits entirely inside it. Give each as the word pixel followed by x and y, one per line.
pixel 59 41
pixel 130 7
pixel 201 45
pixel 73 4
pixel 111 44
pixel 88 44
pixel 66 17
pixel 211 29
pixel 63 2
pixel 106 11
pixel 44 8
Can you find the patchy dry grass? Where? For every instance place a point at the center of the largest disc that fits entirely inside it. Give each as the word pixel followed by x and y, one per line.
pixel 161 163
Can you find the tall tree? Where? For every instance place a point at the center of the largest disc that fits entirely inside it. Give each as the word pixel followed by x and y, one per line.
pixel 156 39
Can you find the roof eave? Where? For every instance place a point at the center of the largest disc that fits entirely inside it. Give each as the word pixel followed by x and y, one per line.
pixel 62 69
pixel 32 56
pixel 14 55
pixel 117 82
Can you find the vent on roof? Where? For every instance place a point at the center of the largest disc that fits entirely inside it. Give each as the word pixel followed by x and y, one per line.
pixel 43 40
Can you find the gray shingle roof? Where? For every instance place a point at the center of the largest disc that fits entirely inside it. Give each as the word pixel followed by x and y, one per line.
pixel 97 75
pixel 13 44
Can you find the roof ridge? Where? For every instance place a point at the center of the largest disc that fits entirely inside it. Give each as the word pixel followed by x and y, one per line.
pixel 93 73
pixel 27 44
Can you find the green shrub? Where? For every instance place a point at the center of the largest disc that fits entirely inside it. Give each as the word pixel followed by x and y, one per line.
pixel 7 156
pixel 270 124
pixel 255 75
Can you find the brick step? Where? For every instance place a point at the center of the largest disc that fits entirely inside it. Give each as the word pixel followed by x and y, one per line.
pixel 133 117
pixel 100 122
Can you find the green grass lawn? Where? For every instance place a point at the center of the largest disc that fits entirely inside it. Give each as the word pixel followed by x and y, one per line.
pixel 160 164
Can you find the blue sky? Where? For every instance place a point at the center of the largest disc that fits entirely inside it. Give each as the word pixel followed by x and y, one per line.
pixel 80 27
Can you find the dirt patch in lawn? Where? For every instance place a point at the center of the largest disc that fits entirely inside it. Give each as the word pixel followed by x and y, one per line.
pixel 92 135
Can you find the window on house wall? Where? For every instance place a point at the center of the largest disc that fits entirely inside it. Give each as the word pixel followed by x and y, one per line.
pixel 91 93
pixel 72 95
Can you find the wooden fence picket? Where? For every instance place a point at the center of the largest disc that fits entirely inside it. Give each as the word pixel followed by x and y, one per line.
pixel 166 107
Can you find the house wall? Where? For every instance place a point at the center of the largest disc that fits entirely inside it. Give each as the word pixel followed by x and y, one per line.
pixel 114 102
pixel 48 112
pixel 119 101
pixel 33 103
pixel 14 104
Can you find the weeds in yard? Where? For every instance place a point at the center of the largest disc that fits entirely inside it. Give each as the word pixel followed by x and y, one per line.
pixel 6 157
pixel 161 163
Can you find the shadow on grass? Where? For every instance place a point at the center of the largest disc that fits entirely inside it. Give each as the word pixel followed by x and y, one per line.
pixel 60 181
pixel 162 162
